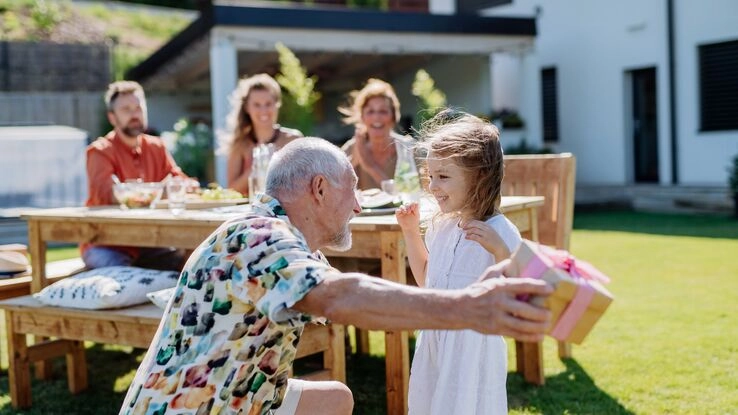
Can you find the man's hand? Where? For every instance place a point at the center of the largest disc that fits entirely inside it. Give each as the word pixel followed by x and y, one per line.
pixel 494 307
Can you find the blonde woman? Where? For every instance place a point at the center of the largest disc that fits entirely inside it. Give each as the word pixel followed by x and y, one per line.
pixel 253 120
pixel 374 112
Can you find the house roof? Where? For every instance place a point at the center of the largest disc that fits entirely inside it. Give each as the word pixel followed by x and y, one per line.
pixel 329 37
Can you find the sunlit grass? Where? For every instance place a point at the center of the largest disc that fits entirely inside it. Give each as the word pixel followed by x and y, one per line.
pixel 667 345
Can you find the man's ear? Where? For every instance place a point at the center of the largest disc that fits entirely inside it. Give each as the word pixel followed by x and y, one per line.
pixel 319 188
pixel 111 118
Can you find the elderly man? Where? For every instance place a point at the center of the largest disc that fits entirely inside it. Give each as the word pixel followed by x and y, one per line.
pixel 130 154
pixel 228 337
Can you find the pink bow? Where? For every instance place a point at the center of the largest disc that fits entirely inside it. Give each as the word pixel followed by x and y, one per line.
pixel 575 267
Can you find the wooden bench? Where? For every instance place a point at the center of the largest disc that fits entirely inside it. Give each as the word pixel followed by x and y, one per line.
pixel 21 284
pixel 132 326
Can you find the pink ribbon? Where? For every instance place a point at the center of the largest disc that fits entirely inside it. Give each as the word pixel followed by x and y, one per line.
pixel 581 271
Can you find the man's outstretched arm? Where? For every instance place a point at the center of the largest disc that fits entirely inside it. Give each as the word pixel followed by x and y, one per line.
pixel 489 306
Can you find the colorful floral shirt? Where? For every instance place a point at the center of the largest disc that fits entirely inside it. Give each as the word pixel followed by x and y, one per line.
pixel 228 337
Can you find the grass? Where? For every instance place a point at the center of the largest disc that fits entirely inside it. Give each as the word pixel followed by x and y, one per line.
pixel 667 345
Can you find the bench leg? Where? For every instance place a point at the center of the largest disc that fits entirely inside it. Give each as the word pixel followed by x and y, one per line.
pixel 19 369
pixel 42 368
pixel 76 367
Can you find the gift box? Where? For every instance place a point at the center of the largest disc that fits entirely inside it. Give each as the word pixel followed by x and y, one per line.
pixel 579 298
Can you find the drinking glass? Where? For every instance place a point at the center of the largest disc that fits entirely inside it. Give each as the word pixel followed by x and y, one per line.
pixel 388 186
pixel 176 194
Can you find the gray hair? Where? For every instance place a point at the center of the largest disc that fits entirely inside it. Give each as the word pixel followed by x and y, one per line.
pixel 293 167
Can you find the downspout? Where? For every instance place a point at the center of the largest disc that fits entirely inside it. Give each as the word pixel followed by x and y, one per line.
pixel 672 93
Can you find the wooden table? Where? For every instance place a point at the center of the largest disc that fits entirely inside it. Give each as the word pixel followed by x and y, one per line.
pixel 377 237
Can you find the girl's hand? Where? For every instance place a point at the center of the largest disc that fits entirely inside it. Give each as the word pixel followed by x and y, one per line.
pixel 408 217
pixel 490 240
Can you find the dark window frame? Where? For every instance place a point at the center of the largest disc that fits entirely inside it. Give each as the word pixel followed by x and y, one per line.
pixel 549 105
pixel 718 86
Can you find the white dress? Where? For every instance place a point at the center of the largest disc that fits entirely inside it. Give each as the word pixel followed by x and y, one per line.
pixel 459 371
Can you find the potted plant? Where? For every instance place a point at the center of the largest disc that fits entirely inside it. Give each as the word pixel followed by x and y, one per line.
pixel 733 183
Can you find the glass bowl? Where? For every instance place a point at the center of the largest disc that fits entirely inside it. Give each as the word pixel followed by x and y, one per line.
pixel 134 195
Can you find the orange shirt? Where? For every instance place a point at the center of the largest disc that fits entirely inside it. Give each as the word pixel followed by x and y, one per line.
pixel 149 161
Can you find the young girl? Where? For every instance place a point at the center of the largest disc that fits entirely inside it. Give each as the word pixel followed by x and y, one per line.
pixel 459 372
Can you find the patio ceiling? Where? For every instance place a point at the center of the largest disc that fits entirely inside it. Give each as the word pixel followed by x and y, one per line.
pixel 342 47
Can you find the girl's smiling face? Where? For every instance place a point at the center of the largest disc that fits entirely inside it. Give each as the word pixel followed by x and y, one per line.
pixel 449 183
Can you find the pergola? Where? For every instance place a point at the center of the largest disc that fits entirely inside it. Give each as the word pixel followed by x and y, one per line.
pixel 342 46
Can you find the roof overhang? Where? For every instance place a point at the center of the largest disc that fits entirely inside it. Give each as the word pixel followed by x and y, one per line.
pixel 328 41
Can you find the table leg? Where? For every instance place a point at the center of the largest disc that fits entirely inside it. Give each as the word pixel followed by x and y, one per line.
pixel 529 356
pixel 37 249
pixel 335 360
pixel 397 357
pixel 19 370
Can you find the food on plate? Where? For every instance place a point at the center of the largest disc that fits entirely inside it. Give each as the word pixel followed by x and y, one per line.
pixel 377 199
pixel 219 193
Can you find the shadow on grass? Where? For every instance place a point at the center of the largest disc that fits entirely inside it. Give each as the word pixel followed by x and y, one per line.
pixel 569 392
pixel 104 365
pixel 366 379
pixel 706 226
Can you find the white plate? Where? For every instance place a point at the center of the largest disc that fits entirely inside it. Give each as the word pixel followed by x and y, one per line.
pixel 377 211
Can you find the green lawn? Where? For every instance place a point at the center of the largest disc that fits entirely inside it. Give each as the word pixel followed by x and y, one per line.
pixel 667 345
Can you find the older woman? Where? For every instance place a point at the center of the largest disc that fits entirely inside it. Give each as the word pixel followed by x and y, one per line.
pixel 253 120
pixel 373 149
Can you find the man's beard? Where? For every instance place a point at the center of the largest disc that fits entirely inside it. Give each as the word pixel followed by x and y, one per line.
pixel 341 241
pixel 133 130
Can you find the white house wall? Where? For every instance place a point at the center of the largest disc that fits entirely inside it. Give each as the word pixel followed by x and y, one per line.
pixel 166 109
pixel 593 45
pixel 703 156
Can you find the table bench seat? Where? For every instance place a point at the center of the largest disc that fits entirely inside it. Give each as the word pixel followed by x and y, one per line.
pixel 132 326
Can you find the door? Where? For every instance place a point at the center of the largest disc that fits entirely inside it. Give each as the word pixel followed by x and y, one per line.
pixel 645 122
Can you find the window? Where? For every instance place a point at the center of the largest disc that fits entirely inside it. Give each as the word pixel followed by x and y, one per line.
pixel 719 86
pixel 550 106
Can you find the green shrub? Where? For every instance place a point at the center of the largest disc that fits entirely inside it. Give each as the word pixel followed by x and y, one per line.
pixel 193 149
pixel 524 148
pixel 431 98
pixel 299 101
pixel 733 176
pixel 509 118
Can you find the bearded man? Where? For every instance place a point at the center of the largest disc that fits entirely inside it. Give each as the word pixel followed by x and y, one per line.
pixel 130 154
